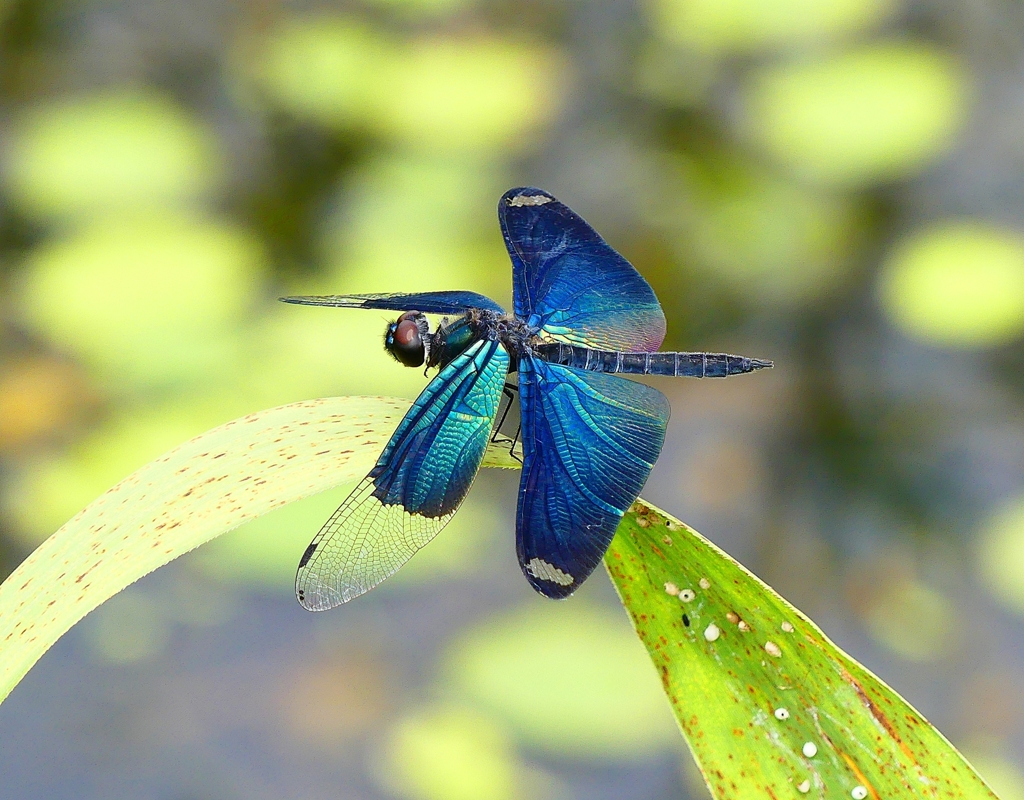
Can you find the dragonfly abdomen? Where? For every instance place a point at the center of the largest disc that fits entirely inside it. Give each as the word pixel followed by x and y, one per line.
pixel 676 365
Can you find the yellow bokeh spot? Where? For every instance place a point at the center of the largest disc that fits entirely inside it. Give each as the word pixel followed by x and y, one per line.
pixel 748 25
pixel 448 94
pixel 444 208
pixel 957 284
pixel 872 114
pixel 911 619
pixel 111 151
pixel 327 69
pixel 150 299
pixel 300 352
pixel 1001 555
pixel 450 753
pixel 470 94
pixel 575 682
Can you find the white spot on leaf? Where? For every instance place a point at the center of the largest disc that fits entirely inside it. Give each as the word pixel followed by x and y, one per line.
pixel 686 595
pixel 711 632
pixel 804 787
pixel 787 627
pixel 781 713
pixel 773 649
pixel 859 793
pixel 705 583
pixel 810 749
pixel 672 589
pixel 743 626
pixel 542 570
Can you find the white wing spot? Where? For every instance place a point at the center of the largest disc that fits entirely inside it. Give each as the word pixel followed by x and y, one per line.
pixel 529 200
pixel 542 570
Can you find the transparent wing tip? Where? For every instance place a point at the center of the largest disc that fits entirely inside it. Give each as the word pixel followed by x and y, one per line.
pixel 319 598
pixel 315 595
pixel 311 300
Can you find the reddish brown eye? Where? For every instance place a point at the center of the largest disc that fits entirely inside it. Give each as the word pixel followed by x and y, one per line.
pixel 404 339
pixel 407 333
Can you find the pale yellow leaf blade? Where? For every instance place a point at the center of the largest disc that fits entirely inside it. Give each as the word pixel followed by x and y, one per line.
pixel 205 487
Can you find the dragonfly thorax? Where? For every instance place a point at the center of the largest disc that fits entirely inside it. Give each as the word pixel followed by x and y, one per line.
pixel 454 336
pixel 410 341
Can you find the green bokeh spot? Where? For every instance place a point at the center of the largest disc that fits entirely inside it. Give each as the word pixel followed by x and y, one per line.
pixel 145 299
pixel 323 68
pixel 568 678
pixel 749 25
pixel 450 753
pixel 116 150
pixel 470 94
pixel 436 93
pixel 913 620
pixel 872 114
pixel 1001 555
pixel 444 208
pixel 957 284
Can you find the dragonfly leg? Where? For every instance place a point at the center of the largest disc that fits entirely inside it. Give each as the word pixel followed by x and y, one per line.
pixel 509 390
pixel 513 443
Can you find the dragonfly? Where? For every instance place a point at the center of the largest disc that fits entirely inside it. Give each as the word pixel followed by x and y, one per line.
pixel 581 317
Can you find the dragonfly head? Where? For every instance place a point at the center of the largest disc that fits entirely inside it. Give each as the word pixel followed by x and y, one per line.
pixel 408 339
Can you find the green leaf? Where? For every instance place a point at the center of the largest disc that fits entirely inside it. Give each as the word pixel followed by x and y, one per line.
pixel 768 705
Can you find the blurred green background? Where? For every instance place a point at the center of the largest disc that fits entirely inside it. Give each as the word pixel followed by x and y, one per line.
pixel 837 186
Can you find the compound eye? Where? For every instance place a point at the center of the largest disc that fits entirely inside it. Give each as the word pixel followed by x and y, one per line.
pixel 407 334
pixel 404 340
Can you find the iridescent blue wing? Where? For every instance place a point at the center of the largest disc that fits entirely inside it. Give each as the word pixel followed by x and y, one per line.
pixel 427 302
pixel 568 282
pixel 589 443
pixel 416 486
